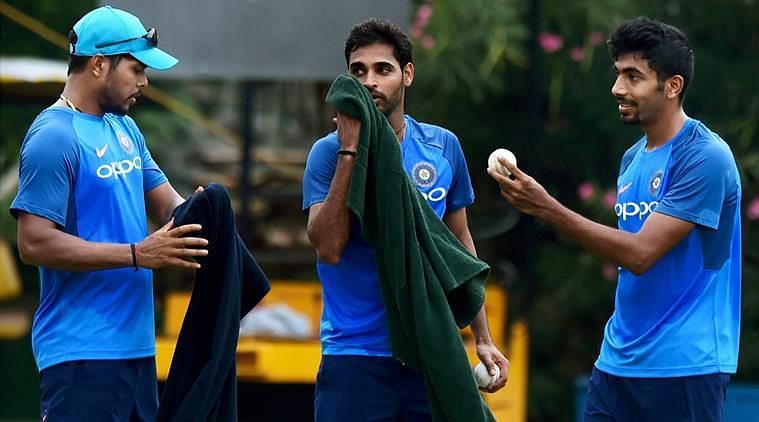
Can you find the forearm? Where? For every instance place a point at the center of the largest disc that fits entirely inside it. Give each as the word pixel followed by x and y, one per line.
pixel 163 215
pixel 606 242
pixel 488 353
pixel 637 251
pixel 457 223
pixel 161 202
pixel 61 251
pixel 329 228
pixel 166 214
pixel 466 240
pixel 480 327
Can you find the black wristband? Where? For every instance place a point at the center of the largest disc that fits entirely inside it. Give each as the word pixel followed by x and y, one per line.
pixel 133 248
pixel 346 152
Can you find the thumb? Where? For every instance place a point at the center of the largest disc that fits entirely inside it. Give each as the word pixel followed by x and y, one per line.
pixel 168 226
pixel 490 364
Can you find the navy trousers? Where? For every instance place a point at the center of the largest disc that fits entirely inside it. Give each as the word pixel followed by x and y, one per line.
pixel 678 399
pixel 99 390
pixel 364 388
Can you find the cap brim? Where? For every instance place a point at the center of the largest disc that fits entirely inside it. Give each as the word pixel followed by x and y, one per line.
pixel 155 58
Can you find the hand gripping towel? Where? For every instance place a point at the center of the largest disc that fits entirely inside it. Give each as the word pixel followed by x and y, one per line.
pixel 431 284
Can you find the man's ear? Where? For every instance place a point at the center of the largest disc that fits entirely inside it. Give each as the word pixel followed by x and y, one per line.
pixel 673 87
pixel 99 65
pixel 408 74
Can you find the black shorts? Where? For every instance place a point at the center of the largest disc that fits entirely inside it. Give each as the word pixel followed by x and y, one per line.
pixel 100 390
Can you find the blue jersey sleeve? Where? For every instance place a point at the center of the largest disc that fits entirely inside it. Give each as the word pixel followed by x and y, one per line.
pixel 48 161
pixel 320 169
pixel 699 186
pixel 152 175
pixel 461 193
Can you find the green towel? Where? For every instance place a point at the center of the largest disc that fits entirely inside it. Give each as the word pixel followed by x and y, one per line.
pixel 430 283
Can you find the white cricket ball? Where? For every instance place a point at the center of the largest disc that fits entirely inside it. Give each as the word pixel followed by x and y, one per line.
pixel 482 377
pixel 494 164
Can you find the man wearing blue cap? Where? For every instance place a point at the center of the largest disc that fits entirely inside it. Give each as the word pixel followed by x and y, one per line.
pixel 86 182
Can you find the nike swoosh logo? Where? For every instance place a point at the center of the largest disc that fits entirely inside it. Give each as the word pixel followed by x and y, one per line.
pixel 624 188
pixel 101 152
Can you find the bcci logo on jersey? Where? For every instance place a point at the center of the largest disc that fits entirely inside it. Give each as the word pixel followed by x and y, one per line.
pixel 425 175
pixel 655 183
pixel 124 142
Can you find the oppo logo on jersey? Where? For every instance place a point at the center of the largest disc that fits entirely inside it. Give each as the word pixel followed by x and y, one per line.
pixel 632 209
pixel 435 195
pixel 119 168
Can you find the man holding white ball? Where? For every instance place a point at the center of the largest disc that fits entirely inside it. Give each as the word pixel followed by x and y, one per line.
pixel 671 344
pixel 358 378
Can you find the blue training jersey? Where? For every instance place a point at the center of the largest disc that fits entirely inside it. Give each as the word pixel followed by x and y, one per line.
pixel 89 175
pixel 682 316
pixel 353 318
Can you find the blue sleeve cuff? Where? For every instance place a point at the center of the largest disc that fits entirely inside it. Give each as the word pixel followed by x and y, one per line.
pixel 39 212
pixel 708 219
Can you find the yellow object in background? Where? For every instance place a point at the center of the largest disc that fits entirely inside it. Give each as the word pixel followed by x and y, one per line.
pixel 265 360
pixel 13 324
pixel 10 284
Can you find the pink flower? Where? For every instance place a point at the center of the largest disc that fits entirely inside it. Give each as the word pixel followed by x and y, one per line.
pixel 609 271
pixel 577 54
pixel 752 212
pixel 586 191
pixel 596 38
pixel 550 43
pixel 423 15
pixel 609 198
pixel 428 42
pixel 415 32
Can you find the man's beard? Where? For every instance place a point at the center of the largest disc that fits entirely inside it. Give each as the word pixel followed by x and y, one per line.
pixel 109 101
pixel 109 105
pixel 393 102
pixel 635 121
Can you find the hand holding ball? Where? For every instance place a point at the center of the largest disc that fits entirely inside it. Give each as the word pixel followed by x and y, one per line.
pixel 483 377
pixel 494 164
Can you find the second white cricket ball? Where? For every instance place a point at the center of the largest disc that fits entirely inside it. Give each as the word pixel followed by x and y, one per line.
pixel 483 377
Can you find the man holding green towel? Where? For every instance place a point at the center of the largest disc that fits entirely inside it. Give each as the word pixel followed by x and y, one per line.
pixel 358 378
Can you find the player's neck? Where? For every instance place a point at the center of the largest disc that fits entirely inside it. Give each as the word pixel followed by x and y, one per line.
pixel 77 96
pixel 664 129
pixel 398 122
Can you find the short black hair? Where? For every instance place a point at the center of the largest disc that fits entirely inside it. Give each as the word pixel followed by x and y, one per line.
pixel 665 47
pixel 79 63
pixel 375 30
